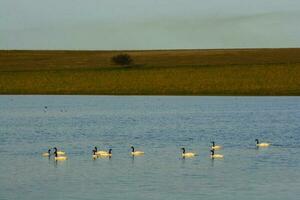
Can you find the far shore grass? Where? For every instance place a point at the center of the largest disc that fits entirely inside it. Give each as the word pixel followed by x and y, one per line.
pixel 177 72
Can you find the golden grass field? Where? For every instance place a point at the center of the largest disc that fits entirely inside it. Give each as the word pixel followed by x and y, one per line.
pixel 157 72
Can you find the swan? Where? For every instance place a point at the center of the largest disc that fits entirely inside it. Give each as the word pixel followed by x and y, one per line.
pixel 99 152
pixel 258 144
pixel 59 153
pixel 215 147
pixel 136 153
pixel 213 155
pixel 187 154
pixel 59 157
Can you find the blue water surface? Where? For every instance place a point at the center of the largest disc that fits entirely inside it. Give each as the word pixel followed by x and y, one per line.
pixel 160 126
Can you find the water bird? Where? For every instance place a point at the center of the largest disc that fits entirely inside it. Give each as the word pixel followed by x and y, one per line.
pixel 187 154
pixel 136 153
pixel 215 147
pixel 59 157
pixel 258 144
pixel 106 154
pixel 213 155
pixel 60 153
pixel 47 154
pixel 99 152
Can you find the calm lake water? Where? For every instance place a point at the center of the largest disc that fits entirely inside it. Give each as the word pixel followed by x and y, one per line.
pixel 160 126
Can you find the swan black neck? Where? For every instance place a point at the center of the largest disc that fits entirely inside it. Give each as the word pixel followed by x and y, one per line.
pixel 109 151
pixel 96 149
pixel 212 152
pixel 257 142
pixel 94 152
pixel 213 143
pixel 49 151
pixel 132 148
pixel 183 150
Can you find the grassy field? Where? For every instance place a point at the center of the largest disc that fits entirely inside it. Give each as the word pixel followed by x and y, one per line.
pixel 177 72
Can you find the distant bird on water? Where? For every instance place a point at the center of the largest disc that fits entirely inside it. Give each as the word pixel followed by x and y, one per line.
pixel 187 154
pixel 136 153
pixel 263 144
pixel 215 147
pixel 213 155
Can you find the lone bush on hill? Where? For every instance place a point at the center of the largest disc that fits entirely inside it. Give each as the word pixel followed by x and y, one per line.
pixel 122 59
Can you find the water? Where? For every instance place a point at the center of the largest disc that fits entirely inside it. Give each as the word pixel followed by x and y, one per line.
pixel 160 126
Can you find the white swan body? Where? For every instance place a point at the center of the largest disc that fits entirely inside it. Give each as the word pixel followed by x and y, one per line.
pixel 136 153
pixel 187 154
pixel 105 153
pixel 213 155
pixel 61 158
pixel 263 144
pixel 215 147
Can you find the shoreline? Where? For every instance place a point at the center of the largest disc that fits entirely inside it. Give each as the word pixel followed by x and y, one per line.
pixel 212 72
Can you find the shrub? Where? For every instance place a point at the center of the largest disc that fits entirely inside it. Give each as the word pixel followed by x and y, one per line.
pixel 122 59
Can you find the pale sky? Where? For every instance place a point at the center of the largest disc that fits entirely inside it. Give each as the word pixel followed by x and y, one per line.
pixel 148 24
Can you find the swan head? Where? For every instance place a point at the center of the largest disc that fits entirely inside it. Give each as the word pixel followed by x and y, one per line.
pixel 109 151
pixel 132 148
pixel 49 151
pixel 256 140
pixel 183 150
pixel 96 148
pixel 213 143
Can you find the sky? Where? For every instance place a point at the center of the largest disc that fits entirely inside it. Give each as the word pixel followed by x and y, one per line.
pixel 148 24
